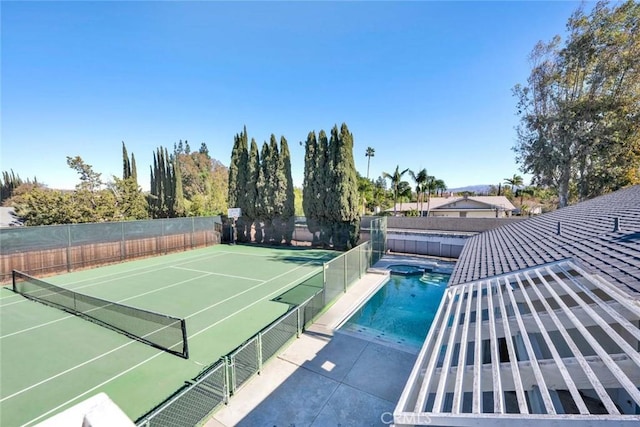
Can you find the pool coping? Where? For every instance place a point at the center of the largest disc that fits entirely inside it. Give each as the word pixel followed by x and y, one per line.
pixel 261 400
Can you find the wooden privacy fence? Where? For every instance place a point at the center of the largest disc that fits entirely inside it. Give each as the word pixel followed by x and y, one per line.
pixel 58 248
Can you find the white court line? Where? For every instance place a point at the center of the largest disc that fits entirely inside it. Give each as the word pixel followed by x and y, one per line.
pixel 119 301
pixel 92 389
pixel 132 341
pixel 249 289
pixel 98 279
pixel 218 274
pixel 59 374
pixel 159 353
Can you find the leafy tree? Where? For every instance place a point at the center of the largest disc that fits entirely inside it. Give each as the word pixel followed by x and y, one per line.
pixel 371 152
pixel 298 201
pixel 130 202
pixel 42 206
pixel 580 109
pixel 10 182
pixel 365 192
pixel 395 179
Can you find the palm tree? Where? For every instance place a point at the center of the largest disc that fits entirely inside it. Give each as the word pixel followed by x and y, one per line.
pixel 395 179
pixel 429 187
pixel 371 152
pixel 440 186
pixel 514 181
pixel 404 192
pixel 421 181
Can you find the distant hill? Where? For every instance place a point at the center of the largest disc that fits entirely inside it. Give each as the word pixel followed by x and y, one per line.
pixel 478 189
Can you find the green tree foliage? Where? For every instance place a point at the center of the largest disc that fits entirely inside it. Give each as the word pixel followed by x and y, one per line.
pixel 130 202
pixel 365 192
pixel 42 206
pixel 298 196
pixel 580 109
pixel 238 169
pixel 90 202
pixel 420 179
pixel 323 183
pixel 288 208
pixel 204 180
pixel 371 152
pixel 166 198
pixel 253 172
pixel 440 187
pixel 126 163
pixel 264 205
pixel 395 178
pixel 342 199
pixel 10 181
pixel 276 190
pixel 312 191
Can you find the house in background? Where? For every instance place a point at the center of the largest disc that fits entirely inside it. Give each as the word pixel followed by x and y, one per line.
pixel 459 207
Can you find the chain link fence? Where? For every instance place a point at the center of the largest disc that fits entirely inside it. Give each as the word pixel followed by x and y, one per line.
pixel 195 402
pixel 59 248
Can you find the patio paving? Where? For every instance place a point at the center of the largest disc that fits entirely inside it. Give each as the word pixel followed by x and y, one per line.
pixel 325 378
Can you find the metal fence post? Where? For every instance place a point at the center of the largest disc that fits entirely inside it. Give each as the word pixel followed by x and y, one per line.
pixel 259 345
pixel 68 247
pixel 123 245
pixel 324 283
pixel 346 266
pixel 227 382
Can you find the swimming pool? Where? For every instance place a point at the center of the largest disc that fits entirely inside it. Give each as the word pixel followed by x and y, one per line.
pixel 401 311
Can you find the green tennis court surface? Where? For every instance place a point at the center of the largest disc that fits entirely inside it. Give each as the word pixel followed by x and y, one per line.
pixel 51 360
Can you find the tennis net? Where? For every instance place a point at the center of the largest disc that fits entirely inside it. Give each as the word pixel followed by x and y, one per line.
pixel 158 330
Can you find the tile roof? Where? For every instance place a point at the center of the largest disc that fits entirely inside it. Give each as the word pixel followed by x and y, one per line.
pixel 585 232
pixel 442 202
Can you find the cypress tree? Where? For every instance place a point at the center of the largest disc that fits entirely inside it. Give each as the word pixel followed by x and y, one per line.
pixel 178 200
pixel 253 172
pixel 349 191
pixel 238 179
pixel 126 166
pixel 166 199
pixel 310 190
pixel 264 205
pixel 276 190
pixel 233 172
pixel 288 208
pixel 134 171
pixel 343 198
pixel 323 184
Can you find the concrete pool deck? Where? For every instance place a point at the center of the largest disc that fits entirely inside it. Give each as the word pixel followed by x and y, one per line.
pixel 325 378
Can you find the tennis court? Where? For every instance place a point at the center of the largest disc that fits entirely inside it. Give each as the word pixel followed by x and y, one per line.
pixel 51 360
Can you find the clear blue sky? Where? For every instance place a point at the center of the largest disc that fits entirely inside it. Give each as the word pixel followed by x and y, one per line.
pixel 426 84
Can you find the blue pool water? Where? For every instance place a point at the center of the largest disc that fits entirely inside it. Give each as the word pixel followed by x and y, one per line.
pixel 401 311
